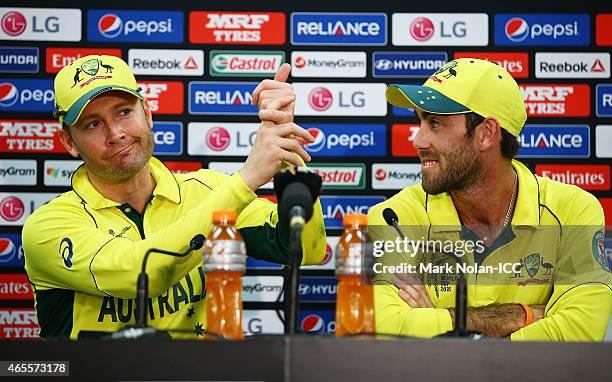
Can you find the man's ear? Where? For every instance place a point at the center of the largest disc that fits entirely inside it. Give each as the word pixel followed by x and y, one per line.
pixel 488 134
pixel 148 113
pixel 68 143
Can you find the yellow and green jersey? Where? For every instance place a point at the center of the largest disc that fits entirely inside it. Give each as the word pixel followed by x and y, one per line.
pixel 83 252
pixel 554 245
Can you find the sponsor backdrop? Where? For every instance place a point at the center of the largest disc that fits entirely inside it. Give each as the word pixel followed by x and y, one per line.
pixel 198 65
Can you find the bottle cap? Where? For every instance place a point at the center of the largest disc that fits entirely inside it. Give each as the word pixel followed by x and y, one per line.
pixel 227 215
pixel 355 219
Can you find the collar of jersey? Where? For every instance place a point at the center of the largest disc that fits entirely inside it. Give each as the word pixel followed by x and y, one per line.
pixel 444 218
pixel 166 187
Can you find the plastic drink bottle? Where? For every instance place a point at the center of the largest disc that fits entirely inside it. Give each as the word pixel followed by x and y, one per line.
pixel 355 298
pixel 224 264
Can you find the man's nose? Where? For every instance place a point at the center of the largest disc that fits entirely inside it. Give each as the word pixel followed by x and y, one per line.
pixel 115 132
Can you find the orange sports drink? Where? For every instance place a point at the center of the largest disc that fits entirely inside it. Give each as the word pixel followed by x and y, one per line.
pixel 224 264
pixel 355 298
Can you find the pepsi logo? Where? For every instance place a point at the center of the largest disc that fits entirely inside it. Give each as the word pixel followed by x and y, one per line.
pixel 11 208
pixel 13 23
pixel 8 94
pixel 319 141
pixel 313 323
pixel 381 174
pixel 320 98
pixel 422 29
pixel 110 25
pixel 8 249
pixel 300 62
pixel 218 138
pixel 517 29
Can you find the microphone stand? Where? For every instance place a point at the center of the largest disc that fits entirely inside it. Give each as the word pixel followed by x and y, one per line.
pixel 141 329
pixel 295 260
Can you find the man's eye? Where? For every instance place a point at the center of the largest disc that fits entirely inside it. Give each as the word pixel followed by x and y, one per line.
pixel 435 123
pixel 93 124
pixel 126 111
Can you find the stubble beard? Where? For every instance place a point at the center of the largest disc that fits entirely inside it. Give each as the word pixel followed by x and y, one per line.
pixel 463 168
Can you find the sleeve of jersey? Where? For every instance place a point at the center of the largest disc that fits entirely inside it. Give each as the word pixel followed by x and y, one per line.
pixel 580 306
pixel 393 315
pixel 265 239
pixel 102 264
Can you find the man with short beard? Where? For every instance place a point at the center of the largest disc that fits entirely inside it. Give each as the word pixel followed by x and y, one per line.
pixel 84 249
pixel 536 266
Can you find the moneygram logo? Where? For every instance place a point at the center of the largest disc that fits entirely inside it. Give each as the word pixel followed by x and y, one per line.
pixel 320 98
pixel 381 174
pixel 18 172
pixel 135 26
pixel 13 23
pixel 218 139
pixel 390 176
pixel 244 63
pixel 571 100
pixel 338 29
pixel 267 28
pixel 422 29
pixel 529 29
pixel 347 140
pixel 588 177
pixel 328 64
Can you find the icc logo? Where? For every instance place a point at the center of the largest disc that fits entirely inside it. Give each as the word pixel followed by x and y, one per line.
pixel 319 141
pixel 110 25
pixel 8 94
pixel 517 29
pixel 218 138
pixel 320 98
pixel 13 23
pixel 422 29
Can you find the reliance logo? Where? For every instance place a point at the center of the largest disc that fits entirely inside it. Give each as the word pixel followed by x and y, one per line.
pixel 556 141
pixel 338 29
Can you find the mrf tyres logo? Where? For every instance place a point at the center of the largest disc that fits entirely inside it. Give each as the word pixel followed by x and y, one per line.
pixel 338 28
pixel 261 28
pixel 245 63
pixel 135 26
pixel 26 136
pixel 554 141
pixel 569 100
pixel 542 29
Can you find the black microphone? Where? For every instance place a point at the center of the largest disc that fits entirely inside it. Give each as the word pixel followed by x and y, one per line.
pixel 296 189
pixel 461 293
pixel 391 219
pixel 142 285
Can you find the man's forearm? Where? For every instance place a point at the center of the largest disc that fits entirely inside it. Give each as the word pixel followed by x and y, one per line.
pixel 498 320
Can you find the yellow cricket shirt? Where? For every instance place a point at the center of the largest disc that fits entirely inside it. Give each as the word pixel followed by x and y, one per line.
pixel 83 252
pixel 555 240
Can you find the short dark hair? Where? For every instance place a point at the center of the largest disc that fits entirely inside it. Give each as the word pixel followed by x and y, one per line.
pixel 509 143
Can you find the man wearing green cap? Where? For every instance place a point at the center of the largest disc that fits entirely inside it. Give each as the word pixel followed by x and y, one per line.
pixel 83 250
pixel 535 267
